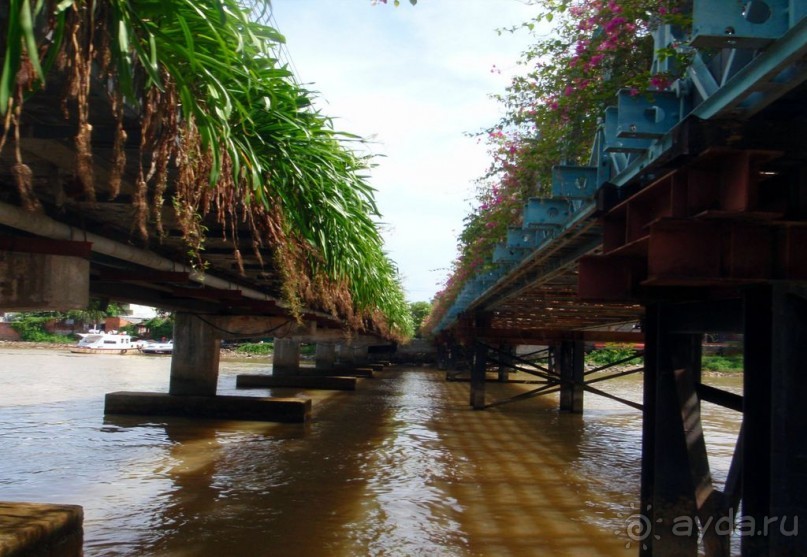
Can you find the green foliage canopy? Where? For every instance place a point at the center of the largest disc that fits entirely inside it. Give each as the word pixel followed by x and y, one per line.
pixel 216 103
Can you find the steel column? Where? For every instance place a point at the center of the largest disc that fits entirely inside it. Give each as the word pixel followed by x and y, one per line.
pixel 571 376
pixel 668 491
pixel 478 372
pixel 505 361
pixel 774 479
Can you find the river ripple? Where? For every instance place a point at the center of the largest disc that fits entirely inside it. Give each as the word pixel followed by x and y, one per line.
pixel 400 467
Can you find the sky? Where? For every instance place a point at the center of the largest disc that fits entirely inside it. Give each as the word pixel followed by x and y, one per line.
pixel 415 81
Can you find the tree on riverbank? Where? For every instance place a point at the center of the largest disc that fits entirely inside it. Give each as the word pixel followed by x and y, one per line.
pixel 42 326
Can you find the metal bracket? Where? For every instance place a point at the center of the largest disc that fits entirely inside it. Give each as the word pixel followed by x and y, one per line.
pixel 615 144
pixel 575 182
pixel 542 212
pixel 648 115
pixel 751 24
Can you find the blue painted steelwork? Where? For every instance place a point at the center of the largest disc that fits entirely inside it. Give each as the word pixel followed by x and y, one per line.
pixel 767 77
pixel 544 211
pixel 613 143
pixel 647 115
pixel 520 238
pixel 503 253
pixel 753 53
pixel 732 24
pixel 575 182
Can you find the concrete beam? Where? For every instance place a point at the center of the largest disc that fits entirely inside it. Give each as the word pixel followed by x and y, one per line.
pixel 40 529
pixel 232 327
pixel 286 410
pixel 38 281
pixel 314 335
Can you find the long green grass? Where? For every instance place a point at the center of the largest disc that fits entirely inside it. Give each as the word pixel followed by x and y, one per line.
pixel 218 104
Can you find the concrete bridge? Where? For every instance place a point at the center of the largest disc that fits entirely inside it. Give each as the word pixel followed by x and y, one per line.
pixel 73 248
pixel 690 218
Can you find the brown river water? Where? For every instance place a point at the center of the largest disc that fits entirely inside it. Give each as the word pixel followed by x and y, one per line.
pixel 400 467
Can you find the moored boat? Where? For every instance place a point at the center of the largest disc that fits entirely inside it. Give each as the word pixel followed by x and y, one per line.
pixel 154 347
pixel 105 343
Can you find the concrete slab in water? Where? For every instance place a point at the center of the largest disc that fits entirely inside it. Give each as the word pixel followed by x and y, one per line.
pixel 266 409
pixel 364 372
pixel 40 529
pixel 246 381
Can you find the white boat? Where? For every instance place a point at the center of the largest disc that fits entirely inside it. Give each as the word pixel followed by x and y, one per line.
pixel 105 343
pixel 154 347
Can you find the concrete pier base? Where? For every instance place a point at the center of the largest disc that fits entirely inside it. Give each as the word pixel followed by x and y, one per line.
pixel 40 529
pixel 363 372
pixel 287 410
pixel 328 383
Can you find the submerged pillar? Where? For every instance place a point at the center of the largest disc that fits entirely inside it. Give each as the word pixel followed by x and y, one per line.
pixel 286 357
pixel 345 358
pixel 774 489
pixel 506 360
pixel 676 487
pixel 195 361
pixel 570 362
pixel 478 372
pixel 325 356
pixel 194 375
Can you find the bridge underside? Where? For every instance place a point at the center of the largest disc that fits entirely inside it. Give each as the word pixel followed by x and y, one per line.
pixel 62 243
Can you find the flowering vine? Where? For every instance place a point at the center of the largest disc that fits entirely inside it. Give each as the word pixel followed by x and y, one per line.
pixel 552 110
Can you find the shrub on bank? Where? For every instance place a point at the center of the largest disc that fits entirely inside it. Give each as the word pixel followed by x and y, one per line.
pixel 255 348
pixel 32 329
pixel 731 363
pixel 611 354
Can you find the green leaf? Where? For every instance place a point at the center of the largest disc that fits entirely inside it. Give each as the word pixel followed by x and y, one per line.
pixel 27 26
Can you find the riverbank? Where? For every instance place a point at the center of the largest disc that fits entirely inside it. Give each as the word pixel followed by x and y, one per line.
pixel 226 353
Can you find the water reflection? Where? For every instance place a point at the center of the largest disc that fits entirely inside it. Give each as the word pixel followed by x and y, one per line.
pixel 402 466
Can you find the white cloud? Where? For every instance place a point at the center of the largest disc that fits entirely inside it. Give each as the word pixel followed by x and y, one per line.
pixel 416 80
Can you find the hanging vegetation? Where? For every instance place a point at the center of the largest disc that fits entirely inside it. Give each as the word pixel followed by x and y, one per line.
pixel 220 114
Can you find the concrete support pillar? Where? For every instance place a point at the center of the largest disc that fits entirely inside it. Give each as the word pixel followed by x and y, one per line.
pixel 360 356
pixel 325 356
pixel 195 362
pixel 286 357
pixel 571 376
pixel 345 355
